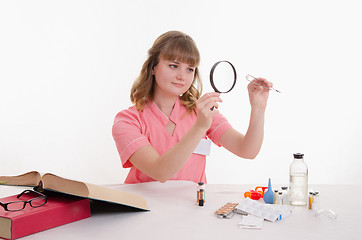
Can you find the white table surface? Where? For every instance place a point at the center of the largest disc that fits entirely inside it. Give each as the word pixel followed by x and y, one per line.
pixel 175 215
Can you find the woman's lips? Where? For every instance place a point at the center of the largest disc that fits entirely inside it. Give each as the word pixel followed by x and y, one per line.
pixel 179 85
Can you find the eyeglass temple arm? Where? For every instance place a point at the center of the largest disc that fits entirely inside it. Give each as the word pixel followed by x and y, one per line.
pixel 30 191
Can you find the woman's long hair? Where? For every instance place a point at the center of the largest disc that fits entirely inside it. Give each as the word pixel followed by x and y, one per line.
pixel 172 45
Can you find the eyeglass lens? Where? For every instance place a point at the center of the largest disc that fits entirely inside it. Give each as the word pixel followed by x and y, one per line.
pixel 16 206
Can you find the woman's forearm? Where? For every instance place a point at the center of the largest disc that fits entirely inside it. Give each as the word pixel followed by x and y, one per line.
pixel 254 136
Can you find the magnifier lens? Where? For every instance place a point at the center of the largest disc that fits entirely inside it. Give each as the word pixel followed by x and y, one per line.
pixel 223 77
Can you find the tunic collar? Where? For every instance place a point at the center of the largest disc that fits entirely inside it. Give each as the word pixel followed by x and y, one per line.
pixel 177 112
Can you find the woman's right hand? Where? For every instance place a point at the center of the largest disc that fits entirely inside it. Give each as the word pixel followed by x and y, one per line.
pixel 206 107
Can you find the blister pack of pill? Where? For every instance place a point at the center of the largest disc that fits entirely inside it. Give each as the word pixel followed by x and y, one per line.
pixel 270 212
pixel 227 211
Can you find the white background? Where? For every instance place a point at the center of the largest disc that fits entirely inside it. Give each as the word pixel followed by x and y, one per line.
pixel 66 69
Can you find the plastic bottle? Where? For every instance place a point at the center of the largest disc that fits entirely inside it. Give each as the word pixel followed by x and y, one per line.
pixel 200 194
pixel 298 181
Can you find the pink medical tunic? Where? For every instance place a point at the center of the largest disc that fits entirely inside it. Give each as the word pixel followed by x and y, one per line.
pixel 133 129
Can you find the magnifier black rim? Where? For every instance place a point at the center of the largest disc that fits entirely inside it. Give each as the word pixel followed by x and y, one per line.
pixel 212 76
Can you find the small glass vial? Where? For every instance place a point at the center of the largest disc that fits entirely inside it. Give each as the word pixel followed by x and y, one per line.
pixel 315 203
pixel 285 196
pixel 280 198
pixel 201 194
pixel 311 198
pixel 276 196
pixel 298 181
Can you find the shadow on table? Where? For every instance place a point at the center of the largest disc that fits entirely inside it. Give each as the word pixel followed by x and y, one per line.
pixel 102 207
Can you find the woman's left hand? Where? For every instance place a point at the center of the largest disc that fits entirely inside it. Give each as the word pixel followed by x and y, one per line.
pixel 258 95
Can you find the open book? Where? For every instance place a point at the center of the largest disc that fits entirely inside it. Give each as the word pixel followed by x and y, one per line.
pixel 52 182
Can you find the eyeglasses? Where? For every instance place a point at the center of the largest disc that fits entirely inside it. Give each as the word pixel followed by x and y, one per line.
pixel 251 78
pixel 14 206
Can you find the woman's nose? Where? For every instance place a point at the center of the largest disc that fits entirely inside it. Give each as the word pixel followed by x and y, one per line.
pixel 181 75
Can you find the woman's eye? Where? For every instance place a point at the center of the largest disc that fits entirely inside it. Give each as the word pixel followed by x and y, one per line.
pixel 173 66
pixel 191 69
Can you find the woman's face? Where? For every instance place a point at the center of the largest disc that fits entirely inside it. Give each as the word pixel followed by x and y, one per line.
pixel 172 77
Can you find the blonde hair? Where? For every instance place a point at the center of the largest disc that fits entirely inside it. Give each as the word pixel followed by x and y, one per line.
pixel 172 45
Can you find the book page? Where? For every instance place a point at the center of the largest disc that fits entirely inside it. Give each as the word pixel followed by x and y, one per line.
pixel 5 228
pixel 27 179
pixel 116 196
pixel 56 183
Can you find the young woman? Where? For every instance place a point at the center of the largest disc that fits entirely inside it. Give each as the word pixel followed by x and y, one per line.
pixel 157 137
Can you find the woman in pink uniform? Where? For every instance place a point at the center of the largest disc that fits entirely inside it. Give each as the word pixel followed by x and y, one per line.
pixel 157 137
